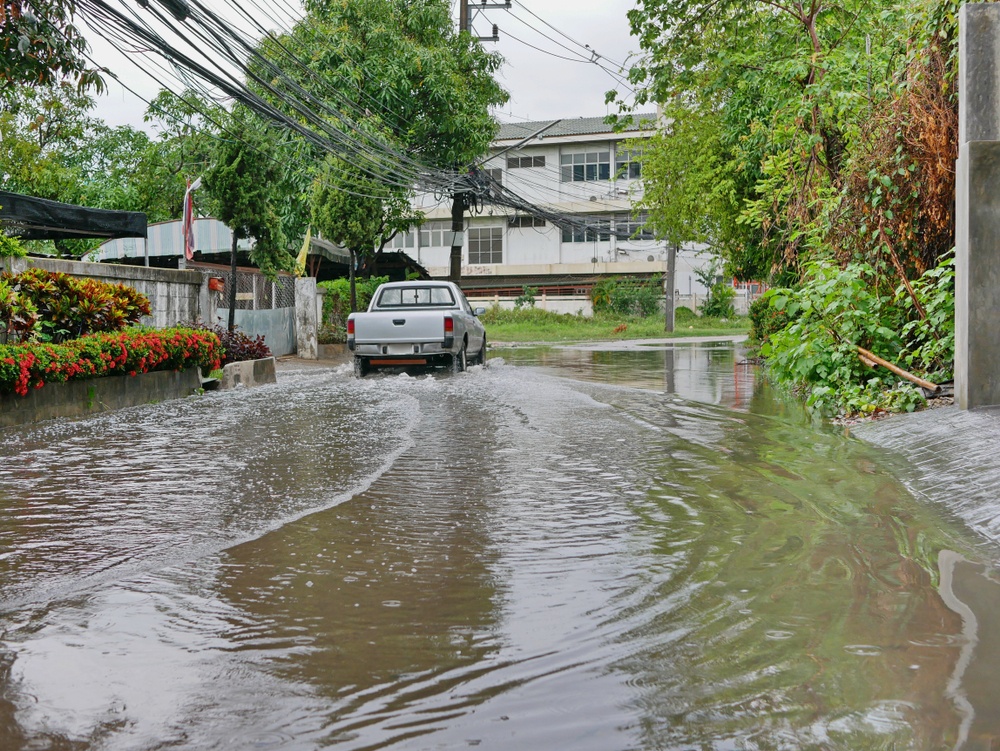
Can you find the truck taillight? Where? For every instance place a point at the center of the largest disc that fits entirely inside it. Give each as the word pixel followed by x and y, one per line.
pixel 350 327
pixel 449 325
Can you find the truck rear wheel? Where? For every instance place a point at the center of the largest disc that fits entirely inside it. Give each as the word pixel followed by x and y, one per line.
pixel 458 360
pixel 361 367
pixel 480 359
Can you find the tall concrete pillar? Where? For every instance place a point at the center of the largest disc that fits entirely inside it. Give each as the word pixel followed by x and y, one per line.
pixel 306 320
pixel 977 209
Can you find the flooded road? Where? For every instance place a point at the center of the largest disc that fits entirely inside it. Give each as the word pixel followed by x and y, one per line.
pixel 568 549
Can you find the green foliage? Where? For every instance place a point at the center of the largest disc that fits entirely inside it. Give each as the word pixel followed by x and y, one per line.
pixel 765 319
pixel 627 297
pixel 54 307
pixel 719 303
pixel 527 297
pixel 683 314
pixel 130 352
pixel 243 183
pixel 41 45
pixel 10 247
pixel 337 305
pixel 537 325
pixel 836 310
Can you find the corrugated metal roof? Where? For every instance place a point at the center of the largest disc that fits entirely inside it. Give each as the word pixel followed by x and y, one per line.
pixel 579 126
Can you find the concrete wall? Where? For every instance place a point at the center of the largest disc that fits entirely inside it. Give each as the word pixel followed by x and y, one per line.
pixel 276 326
pixel 175 297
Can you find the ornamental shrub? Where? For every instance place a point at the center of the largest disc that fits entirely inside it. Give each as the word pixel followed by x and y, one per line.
pixel 68 307
pixel 129 352
pixel 236 345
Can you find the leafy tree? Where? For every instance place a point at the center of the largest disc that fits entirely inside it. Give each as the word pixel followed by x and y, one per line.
pixel 414 93
pixel 41 46
pixel 763 98
pixel 354 210
pixel 242 183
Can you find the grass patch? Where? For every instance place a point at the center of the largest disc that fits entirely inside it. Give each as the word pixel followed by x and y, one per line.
pixel 535 325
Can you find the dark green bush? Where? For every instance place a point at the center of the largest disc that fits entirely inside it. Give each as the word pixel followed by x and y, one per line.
pixel 682 314
pixel 627 297
pixel 765 320
pixel 337 305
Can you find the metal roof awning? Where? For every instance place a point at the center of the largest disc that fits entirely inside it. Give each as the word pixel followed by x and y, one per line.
pixel 30 218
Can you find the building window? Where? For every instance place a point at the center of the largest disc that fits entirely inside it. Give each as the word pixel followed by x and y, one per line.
pixel 584 167
pixel 628 164
pixel 525 222
pixel 485 245
pixel 435 234
pixel 497 173
pixel 403 240
pixel 594 230
pixel 521 162
pixel 628 227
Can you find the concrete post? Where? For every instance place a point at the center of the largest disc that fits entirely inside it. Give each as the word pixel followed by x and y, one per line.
pixel 306 320
pixel 977 209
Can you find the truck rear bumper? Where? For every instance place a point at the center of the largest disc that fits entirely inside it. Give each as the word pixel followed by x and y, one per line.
pixel 403 349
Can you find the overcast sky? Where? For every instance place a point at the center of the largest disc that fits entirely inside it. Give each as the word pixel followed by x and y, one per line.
pixel 553 81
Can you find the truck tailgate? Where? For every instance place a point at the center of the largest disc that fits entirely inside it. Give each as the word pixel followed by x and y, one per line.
pixel 399 327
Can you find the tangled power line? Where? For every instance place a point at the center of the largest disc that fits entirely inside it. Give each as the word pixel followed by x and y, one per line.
pixel 185 45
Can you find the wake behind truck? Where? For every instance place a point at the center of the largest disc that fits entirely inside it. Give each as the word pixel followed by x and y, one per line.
pixel 417 323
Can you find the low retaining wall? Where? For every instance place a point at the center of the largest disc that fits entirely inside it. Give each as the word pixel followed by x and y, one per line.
pixel 94 395
pixel 249 373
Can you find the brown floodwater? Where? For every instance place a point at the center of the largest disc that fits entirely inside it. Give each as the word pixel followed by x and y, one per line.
pixel 567 549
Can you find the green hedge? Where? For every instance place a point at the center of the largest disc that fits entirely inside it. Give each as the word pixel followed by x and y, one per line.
pixel 129 352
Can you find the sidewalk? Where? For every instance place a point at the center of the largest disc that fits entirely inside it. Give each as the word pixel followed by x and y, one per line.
pixel 952 458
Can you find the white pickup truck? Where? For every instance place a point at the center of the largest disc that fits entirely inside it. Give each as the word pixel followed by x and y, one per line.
pixel 417 323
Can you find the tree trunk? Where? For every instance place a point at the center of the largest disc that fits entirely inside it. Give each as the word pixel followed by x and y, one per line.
pixel 232 282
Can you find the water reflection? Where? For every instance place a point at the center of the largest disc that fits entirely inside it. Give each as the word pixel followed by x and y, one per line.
pixel 717 373
pixel 500 558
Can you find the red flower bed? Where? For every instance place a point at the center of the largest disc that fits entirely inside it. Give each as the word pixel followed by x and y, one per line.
pixel 129 352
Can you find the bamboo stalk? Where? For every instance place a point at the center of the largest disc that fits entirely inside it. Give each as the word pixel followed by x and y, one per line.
pixel 868 357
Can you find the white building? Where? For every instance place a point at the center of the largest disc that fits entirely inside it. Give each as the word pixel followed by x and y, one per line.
pixel 579 168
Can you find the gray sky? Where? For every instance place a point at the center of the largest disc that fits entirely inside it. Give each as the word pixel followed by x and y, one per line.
pixel 554 81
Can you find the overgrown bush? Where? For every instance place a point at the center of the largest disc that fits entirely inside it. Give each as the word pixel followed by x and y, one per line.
pixel 129 352
pixel 237 346
pixel 627 297
pixel 719 303
pixel 10 247
pixel 55 307
pixel 337 305
pixel 836 310
pixel 683 313
pixel 498 315
pixel 765 320
pixel 527 297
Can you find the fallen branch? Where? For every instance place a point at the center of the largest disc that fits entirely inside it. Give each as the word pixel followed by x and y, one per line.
pixel 872 359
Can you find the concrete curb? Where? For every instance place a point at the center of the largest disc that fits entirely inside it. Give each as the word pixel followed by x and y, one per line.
pixel 249 373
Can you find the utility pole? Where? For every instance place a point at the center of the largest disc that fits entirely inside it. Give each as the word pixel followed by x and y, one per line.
pixel 461 200
pixel 669 283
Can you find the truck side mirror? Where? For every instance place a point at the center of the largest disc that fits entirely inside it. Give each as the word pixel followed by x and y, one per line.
pixel 478 312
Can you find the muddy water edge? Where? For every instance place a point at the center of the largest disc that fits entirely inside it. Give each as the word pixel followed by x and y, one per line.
pixel 568 549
